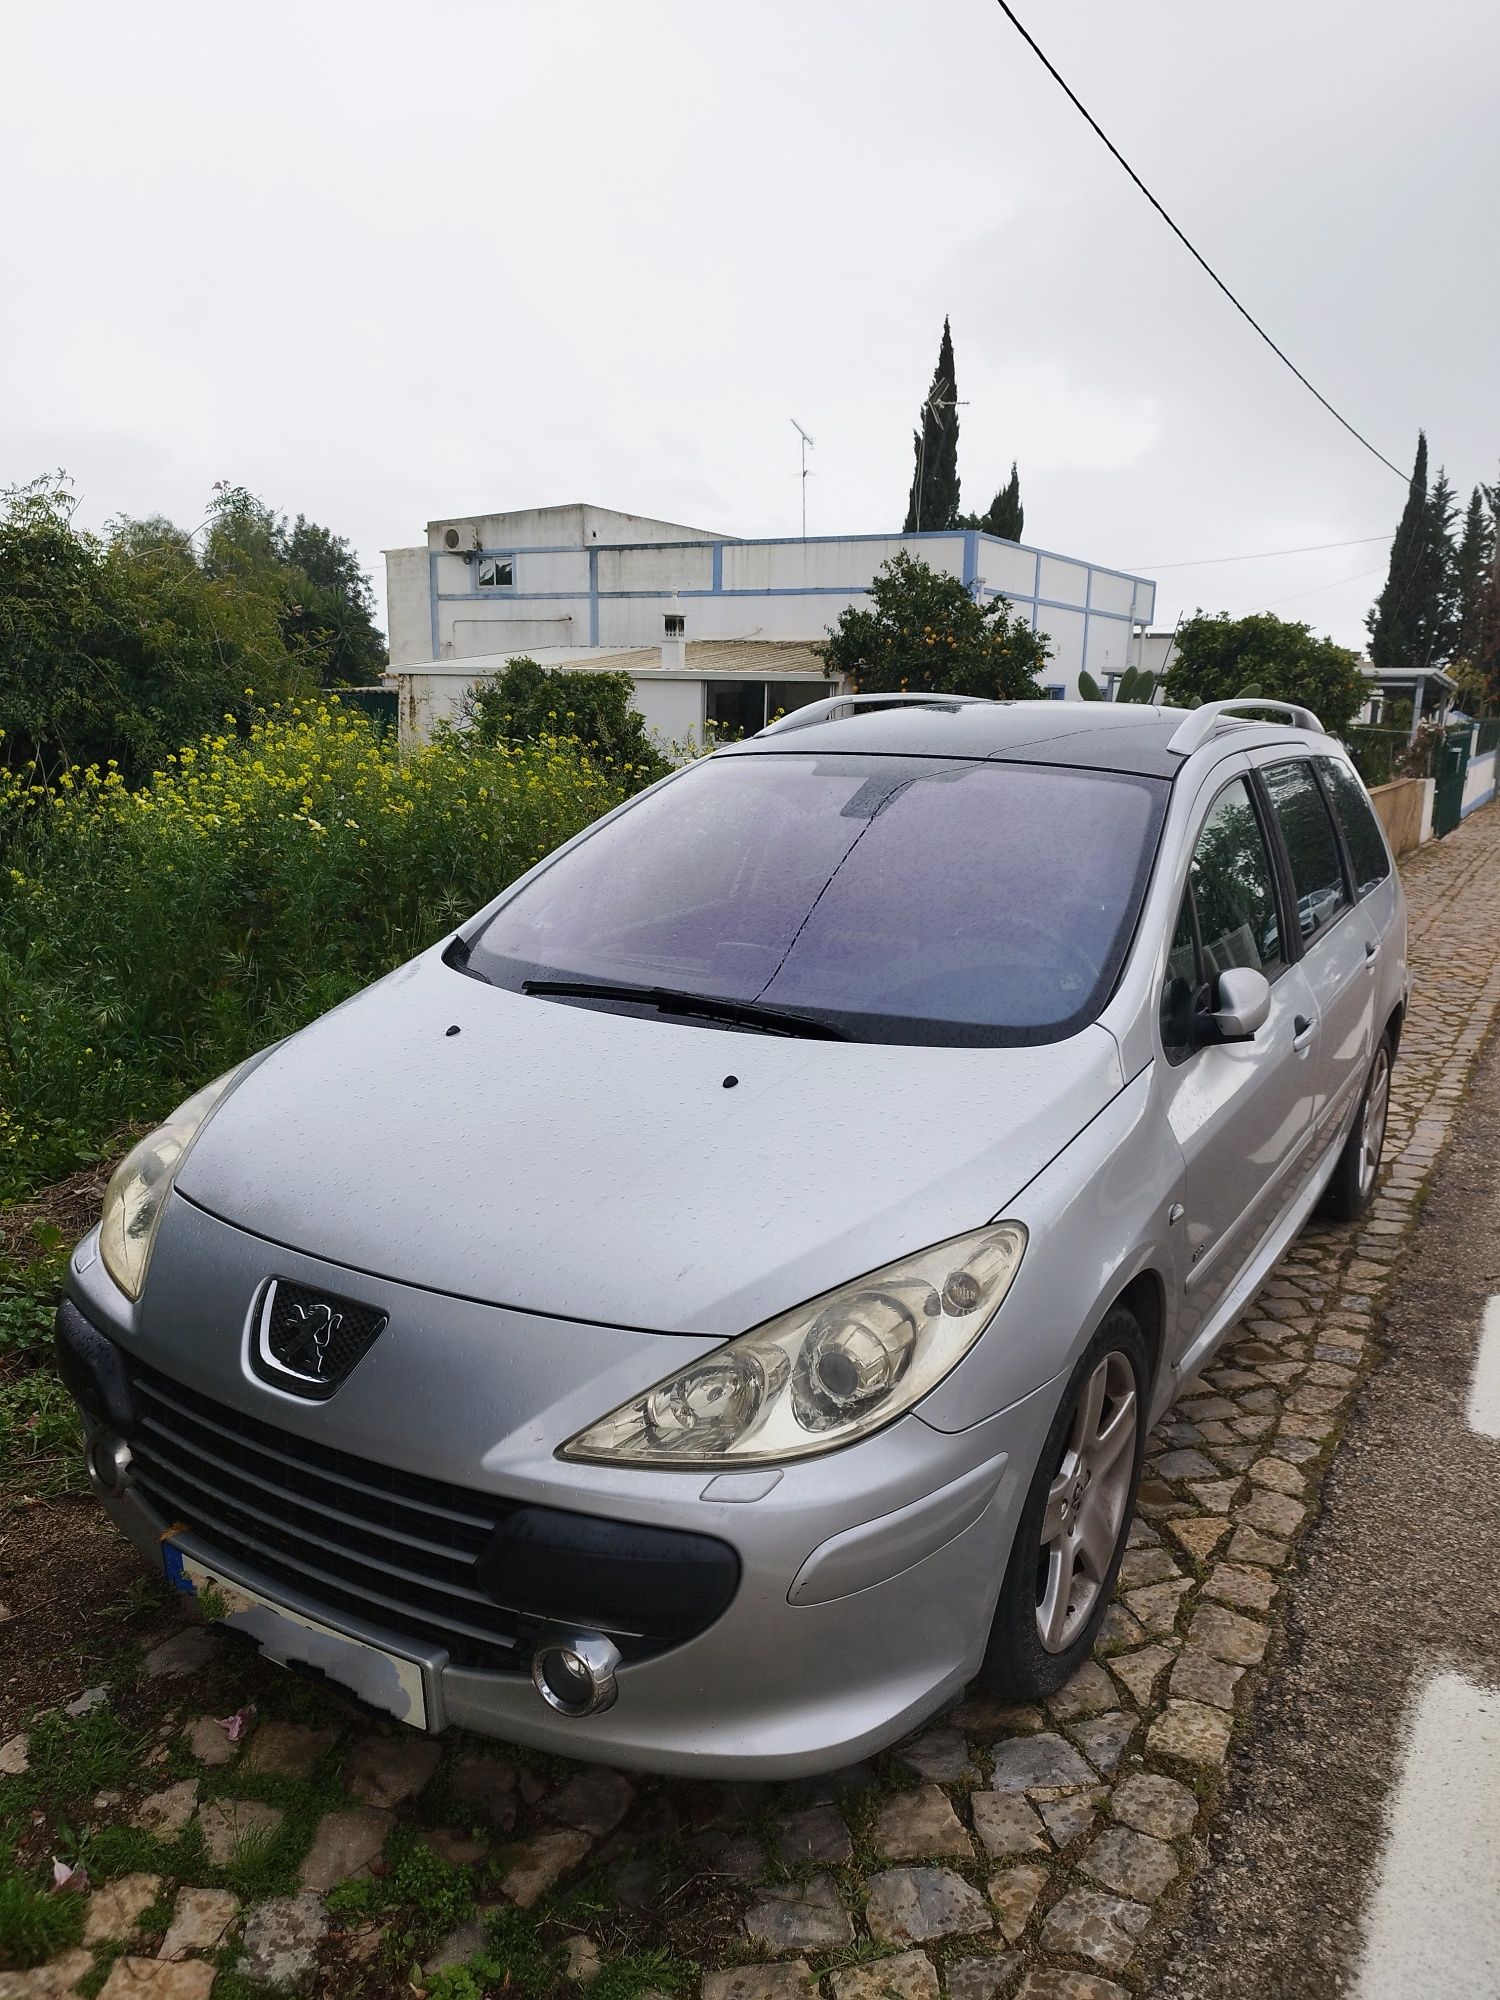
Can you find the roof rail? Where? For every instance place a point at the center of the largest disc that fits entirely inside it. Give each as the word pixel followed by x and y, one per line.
pixel 840 704
pixel 1204 722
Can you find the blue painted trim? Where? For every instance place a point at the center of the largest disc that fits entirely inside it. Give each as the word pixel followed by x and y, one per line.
pixel 432 601
pixel 971 561
pixel 593 596
pixel 718 574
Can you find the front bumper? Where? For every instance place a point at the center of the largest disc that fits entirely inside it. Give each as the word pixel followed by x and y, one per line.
pixel 866 1580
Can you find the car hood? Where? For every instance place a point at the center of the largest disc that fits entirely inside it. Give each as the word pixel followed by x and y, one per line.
pixel 598 1166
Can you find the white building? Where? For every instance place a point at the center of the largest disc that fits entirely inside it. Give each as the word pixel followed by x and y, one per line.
pixel 712 628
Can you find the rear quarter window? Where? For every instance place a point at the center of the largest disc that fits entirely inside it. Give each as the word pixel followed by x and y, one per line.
pixel 1362 833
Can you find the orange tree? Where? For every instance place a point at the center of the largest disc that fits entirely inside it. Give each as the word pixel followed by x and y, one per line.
pixel 922 630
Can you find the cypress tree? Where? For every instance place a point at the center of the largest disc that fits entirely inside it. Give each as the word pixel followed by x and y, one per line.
pixel 1438 585
pixel 1394 622
pixel 933 501
pixel 1006 516
pixel 1471 575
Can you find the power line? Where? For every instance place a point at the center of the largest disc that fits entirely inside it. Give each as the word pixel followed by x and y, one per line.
pixel 1242 310
pixel 1261 555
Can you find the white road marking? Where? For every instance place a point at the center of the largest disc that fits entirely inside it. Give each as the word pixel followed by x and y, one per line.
pixel 1434 1923
pixel 1484 1391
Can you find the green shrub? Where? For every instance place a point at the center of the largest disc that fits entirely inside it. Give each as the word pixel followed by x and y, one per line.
pixel 150 939
pixel 530 703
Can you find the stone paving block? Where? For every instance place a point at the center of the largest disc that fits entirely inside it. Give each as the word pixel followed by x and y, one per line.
pixel 1249 1545
pixel 1156 1805
pixel 790 1979
pixel 1198 1534
pixel 595 1799
pixel 583 1962
pixel 166 1813
pixel 940 1754
pixel 200 1918
pixel 1007 1824
pixel 280 1945
pixel 1191 1731
pixel 1067 1817
pixel 908 1975
pixel 1158 1604
pixel 227 1825
pixel 1014 1891
pixel 114 1911
pixel 1038 1763
pixel 385 1770
pixel 1176 1465
pixel 1245 1589
pixel 912 1905
pixel 15 1758
pixel 1046 1982
pixel 737 1857
pixel 344 1845
pixel 1227 1635
pixel 207 1742
pixel 1133 1864
pixel 158 1979
pixel 1198 1676
pixel 56 1980
pixel 1139 1672
pixel 534 1866
pixel 1215 1494
pixel 1143 1566
pixel 918 1823
pixel 816 1834
pixel 978 1978
pixel 1089 1692
pixel 1103 1739
pixel 184 1653
pixel 800 1916
pixel 1276 1513
pixel 287 1749
pixel 1086 1923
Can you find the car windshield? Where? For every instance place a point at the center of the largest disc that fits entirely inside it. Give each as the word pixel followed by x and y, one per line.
pixel 886 899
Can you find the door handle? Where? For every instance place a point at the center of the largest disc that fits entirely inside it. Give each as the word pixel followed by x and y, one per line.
pixel 1302 1031
pixel 1372 952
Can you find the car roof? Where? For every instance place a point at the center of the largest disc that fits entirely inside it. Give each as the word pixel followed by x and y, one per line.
pixel 1131 737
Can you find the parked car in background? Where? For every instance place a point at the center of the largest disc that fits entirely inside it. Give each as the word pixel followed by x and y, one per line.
pixel 713 1307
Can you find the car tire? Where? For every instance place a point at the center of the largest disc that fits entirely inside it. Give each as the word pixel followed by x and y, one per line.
pixel 1352 1188
pixel 1071 1536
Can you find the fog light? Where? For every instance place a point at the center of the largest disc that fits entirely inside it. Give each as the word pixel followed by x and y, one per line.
pixel 108 1459
pixel 574 1672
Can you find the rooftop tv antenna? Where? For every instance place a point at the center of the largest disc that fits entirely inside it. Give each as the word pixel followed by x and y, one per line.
pixel 807 445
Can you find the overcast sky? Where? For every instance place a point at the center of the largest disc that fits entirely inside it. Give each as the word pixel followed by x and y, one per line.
pixel 384 263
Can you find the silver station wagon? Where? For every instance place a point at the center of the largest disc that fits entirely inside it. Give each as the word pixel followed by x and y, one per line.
pixel 712 1308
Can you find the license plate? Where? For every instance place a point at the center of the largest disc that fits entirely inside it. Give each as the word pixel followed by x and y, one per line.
pixel 385 1680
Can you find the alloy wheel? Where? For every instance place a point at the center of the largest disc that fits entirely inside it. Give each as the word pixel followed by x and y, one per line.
pixel 1372 1122
pixel 1086 1502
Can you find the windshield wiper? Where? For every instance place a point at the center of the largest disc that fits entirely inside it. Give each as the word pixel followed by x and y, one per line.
pixel 739 1013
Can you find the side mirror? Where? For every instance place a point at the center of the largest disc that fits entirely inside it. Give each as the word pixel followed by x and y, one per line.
pixel 1244 1005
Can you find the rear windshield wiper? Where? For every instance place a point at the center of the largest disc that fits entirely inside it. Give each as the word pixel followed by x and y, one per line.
pixel 740 1013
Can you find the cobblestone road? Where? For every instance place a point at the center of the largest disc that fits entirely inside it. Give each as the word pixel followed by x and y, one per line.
pixel 1040 1853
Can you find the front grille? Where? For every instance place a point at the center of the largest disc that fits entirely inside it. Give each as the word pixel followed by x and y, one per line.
pixel 392 1548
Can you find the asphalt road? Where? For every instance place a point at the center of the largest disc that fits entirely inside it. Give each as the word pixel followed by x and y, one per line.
pixel 1359 1853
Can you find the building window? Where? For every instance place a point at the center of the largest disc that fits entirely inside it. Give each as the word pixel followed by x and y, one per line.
pixel 497 573
pixel 1055 691
pixel 740 708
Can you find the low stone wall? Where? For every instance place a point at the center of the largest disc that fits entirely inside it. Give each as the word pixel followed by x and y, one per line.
pixel 1400 806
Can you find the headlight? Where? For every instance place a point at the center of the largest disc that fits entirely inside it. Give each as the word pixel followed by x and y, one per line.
pixel 824 1374
pixel 138 1189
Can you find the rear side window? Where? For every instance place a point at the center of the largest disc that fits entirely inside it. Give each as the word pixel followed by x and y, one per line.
pixel 1234 889
pixel 1311 844
pixel 1367 848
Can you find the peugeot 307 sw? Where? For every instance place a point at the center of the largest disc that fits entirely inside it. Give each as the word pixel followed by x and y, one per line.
pixel 712 1308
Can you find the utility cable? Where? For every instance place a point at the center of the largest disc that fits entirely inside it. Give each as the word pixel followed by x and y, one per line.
pixel 1242 310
